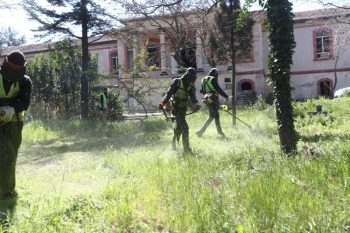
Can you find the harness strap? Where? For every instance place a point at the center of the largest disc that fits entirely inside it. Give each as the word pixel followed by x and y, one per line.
pixel 205 84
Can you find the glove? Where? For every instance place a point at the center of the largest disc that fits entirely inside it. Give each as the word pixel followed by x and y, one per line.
pixel 6 113
pixel 161 105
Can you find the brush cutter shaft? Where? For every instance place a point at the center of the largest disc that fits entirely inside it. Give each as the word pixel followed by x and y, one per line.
pixel 238 119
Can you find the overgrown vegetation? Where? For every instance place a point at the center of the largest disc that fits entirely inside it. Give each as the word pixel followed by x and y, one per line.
pixel 84 20
pixel 56 84
pixel 74 176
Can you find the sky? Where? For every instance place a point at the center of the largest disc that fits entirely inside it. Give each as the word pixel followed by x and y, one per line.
pixel 18 20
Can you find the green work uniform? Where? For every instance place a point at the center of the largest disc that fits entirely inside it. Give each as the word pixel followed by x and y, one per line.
pixel 181 91
pixel 11 136
pixel 210 85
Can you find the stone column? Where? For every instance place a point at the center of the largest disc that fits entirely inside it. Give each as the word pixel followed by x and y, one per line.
pixel 199 54
pixel 134 34
pixel 162 48
pixel 173 64
pixel 121 58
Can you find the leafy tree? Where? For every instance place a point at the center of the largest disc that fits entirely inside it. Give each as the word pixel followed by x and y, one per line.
pixel 282 44
pixel 181 22
pixel 231 38
pixel 64 17
pixel 10 37
pixel 55 77
pixel 3 5
pixel 115 106
pixel 66 59
pixel 140 86
pixel 341 45
pixel 43 75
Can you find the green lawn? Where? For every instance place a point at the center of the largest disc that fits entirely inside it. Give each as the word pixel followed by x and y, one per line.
pixel 76 176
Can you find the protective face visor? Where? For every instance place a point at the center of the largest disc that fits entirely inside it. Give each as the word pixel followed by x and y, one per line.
pixel 191 78
pixel 14 66
pixel 12 72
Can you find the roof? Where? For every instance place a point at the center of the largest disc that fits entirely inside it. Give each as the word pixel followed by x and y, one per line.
pixel 43 47
pixel 302 16
pixel 324 13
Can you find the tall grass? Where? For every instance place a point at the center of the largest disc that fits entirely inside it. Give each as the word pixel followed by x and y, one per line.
pixel 79 177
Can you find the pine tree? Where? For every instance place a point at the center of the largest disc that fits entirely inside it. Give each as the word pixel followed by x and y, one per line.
pixel 10 37
pixel 64 17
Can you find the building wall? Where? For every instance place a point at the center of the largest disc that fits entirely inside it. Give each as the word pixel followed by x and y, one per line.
pixel 306 72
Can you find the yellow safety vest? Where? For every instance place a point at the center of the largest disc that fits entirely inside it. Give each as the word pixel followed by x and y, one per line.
pixel 207 86
pixel 181 96
pixel 105 102
pixel 13 91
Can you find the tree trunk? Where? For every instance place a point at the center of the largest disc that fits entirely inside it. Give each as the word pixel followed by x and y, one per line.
pixel 234 122
pixel 233 52
pixel 84 92
pixel 282 44
pixel 286 131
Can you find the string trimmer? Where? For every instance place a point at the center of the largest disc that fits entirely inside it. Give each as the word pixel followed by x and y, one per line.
pixel 167 111
pixel 170 117
pixel 225 108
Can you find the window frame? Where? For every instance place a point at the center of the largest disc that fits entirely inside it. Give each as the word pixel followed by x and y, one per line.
pixel 111 63
pixel 330 41
pixel 130 57
pixel 155 41
pixel 128 48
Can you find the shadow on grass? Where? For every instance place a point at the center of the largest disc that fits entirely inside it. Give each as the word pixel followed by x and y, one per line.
pixel 83 136
pixel 324 137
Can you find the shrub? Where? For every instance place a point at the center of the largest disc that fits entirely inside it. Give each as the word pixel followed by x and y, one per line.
pixel 260 103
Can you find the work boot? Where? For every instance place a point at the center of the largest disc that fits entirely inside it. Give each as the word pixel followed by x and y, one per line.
pixel 223 137
pixel 188 151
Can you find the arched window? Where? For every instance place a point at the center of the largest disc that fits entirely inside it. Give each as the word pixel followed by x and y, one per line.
pixel 115 63
pixel 325 87
pixel 153 54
